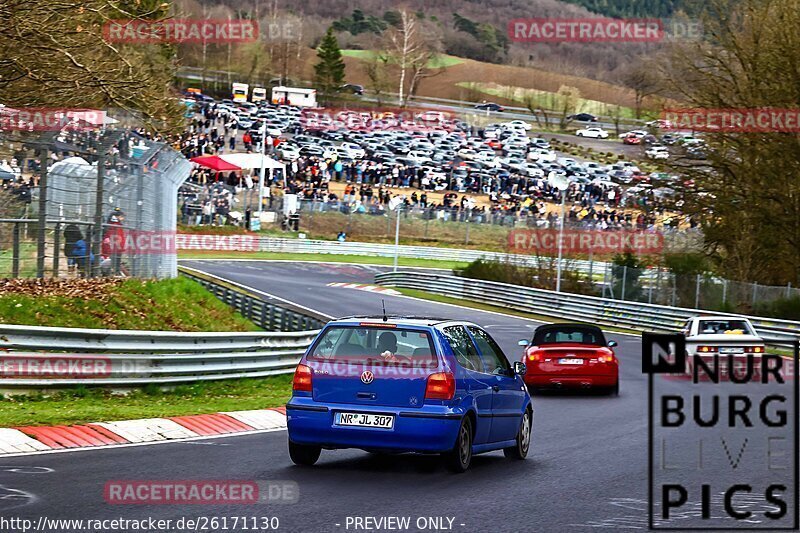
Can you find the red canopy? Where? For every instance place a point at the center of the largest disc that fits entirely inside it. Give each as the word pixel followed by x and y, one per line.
pixel 214 163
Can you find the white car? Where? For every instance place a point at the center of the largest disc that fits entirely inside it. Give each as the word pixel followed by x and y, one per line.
pixel 537 154
pixel 721 334
pixel 418 156
pixel 518 124
pixel 592 133
pixel 352 150
pixel 657 152
pixel 532 171
pixel 288 152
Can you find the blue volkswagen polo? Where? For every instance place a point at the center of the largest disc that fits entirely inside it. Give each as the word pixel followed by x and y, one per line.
pixel 405 384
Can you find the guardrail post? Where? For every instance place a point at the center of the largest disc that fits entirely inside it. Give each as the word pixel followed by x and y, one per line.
pixel 15 251
pixel 755 290
pixel 284 320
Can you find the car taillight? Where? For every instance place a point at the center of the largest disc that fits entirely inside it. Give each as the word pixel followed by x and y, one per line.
pixel 533 356
pixel 302 379
pixel 441 386
pixel 706 349
pixel 754 349
pixel 606 359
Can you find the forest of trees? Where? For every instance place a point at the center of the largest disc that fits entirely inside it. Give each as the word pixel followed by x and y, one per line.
pixel 636 9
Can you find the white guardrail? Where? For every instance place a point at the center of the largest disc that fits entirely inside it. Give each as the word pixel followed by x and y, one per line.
pixel 41 357
pixel 616 313
pixel 51 357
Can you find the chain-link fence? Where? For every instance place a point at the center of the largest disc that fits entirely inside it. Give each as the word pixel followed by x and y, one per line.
pixel 699 291
pixel 477 228
pixel 102 203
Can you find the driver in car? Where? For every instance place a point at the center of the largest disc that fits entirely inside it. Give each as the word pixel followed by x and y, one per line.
pixel 387 346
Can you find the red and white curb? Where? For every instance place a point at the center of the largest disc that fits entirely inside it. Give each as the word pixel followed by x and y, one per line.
pixel 368 288
pixel 37 439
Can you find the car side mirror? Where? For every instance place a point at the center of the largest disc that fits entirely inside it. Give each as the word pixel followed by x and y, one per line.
pixel 612 344
pixel 519 368
pixel 524 342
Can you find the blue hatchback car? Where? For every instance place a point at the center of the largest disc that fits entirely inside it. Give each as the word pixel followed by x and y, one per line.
pixel 407 384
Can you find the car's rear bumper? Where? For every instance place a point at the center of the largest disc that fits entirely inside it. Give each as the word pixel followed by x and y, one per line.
pixel 571 381
pixel 429 429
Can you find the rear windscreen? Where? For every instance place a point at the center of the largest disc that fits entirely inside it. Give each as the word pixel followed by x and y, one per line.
pixel 375 344
pixel 589 336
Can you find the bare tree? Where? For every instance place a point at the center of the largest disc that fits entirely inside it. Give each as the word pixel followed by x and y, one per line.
pixel 644 82
pixel 409 50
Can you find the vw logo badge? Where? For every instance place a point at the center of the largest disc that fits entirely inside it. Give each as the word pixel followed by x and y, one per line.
pixel 367 377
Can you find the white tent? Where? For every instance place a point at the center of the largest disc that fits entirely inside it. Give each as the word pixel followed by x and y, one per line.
pixel 243 160
pixel 260 161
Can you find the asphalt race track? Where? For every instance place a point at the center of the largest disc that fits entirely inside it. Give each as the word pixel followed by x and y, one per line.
pixel 587 469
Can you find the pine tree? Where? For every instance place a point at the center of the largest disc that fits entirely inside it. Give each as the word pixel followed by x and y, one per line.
pixel 329 71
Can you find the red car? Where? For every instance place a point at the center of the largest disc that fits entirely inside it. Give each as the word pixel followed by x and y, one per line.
pixel 631 139
pixel 562 356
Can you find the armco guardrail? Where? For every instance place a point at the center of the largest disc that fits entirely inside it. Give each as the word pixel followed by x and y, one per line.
pixel 35 355
pixel 607 312
pixel 39 357
pixel 267 315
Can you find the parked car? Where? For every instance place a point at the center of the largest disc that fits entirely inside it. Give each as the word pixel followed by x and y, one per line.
pixel 400 384
pixel 570 355
pixel 518 124
pixel 592 133
pixel 657 152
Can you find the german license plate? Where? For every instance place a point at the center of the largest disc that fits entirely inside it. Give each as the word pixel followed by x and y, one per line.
pixel 731 350
pixel 365 420
pixel 570 361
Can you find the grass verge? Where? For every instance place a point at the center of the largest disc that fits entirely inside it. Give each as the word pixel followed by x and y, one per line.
pixel 327 258
pixel 168 305
pixel 83 405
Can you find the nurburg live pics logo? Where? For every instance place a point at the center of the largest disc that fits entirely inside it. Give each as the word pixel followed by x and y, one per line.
pixel 722 435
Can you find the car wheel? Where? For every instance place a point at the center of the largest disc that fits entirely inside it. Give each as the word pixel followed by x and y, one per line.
pixel 614 391
pixel 304 455
pixel 459 458
pixel 520 450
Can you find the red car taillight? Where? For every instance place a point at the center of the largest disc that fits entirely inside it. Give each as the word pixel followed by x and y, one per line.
pixel 754 349
pixel 441 386
pixel 606 358
pixel 302 379
pixel 533 355
pixel 706 349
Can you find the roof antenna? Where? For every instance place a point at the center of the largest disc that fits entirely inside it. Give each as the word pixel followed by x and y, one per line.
pixel 383 304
